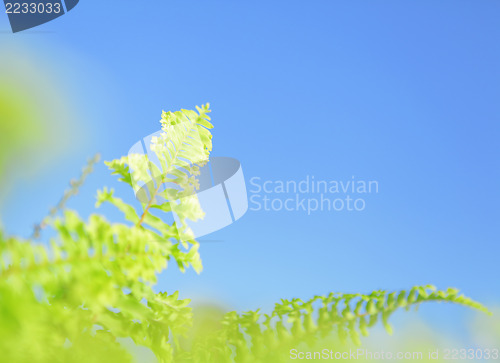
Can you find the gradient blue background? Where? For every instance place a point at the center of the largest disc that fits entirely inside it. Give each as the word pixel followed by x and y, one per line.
pixel 402 92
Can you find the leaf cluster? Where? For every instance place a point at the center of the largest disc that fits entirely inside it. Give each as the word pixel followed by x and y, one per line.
pixel 73 298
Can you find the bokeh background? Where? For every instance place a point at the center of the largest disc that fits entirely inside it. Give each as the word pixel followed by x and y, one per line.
pixel 402 92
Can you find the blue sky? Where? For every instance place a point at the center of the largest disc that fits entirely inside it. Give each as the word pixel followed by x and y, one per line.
pixel 405 93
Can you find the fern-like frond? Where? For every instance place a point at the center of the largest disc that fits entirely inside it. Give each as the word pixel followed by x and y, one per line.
pixel 70 299
pixel 180 149
pixel 94 274
pixel 258 337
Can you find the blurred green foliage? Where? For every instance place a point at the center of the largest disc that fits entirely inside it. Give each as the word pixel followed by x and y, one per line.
pixel 34 118
pixel 20 126
pixel 71 300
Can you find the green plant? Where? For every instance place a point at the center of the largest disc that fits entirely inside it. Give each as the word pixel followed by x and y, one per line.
pixel 70 300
